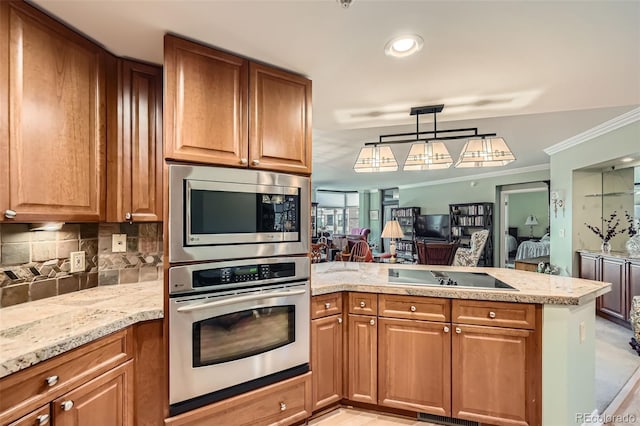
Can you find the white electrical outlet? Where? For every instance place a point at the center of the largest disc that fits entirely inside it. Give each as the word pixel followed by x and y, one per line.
pixel 76 259
pixel 561 233
pixel 583 332
pixel 119 243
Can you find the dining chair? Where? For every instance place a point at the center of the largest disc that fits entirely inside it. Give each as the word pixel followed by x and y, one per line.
pixel 319 252
pixel 360 252
pixel 435 253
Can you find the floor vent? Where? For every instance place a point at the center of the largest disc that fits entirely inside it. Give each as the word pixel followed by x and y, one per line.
pixel 450 421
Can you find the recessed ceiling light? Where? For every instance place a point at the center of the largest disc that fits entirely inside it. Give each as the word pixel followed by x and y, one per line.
pixel 403 46
pixel 627 159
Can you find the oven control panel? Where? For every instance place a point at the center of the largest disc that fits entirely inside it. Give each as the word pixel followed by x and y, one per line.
pixel 242 274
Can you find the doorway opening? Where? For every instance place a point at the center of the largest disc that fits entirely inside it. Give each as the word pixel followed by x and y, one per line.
pixel 524 223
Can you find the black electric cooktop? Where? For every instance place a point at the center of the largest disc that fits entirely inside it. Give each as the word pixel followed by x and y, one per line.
pixel 447 278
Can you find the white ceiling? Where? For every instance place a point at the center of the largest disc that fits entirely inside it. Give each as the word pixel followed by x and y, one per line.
pixel 534 72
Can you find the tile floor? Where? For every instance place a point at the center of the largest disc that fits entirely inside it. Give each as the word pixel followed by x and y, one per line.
pixel 355 417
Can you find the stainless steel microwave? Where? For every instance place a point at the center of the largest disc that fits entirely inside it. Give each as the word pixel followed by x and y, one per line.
pixel 220 213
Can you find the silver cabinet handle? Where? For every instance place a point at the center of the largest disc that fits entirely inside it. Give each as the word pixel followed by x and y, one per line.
pixel 243 161
pixel 458 330
pixel 43 419
pixel 327 305
pixel 10 214
pixel 413 308
pixel 362 304
pixel 128 216
pixel 446 329
pixel 339 320
pixel 492 314
pixel 255 162
pixel 283 406
pixel 51 380
pixel 372 322
pixel 67 405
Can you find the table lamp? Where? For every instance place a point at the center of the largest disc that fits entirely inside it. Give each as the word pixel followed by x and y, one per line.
pixel 392 230
pixel 531 221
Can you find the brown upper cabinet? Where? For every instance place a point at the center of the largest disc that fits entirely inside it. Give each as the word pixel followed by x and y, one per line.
pixel 212 116
pixel 134 142
pixel 52 135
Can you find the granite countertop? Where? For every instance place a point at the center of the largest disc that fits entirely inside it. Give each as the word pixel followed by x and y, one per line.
pixel 35 331
pixel 532 287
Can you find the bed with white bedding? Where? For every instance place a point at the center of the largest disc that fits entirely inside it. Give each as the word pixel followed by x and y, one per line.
pixel 529 249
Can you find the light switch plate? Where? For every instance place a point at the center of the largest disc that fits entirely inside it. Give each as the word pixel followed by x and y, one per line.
pixel 119 243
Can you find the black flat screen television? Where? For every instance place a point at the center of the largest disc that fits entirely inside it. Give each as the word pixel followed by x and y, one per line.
pixel 432 227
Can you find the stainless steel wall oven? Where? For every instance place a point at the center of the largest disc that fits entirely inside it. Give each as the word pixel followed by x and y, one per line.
pixel 235 326
pixel 220 213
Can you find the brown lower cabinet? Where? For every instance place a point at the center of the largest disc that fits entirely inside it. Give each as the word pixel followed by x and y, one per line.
pixel 624 276
pixel 467 359
pixel 326 360
pixel 414 362
pixel 97 384
pixel 492 380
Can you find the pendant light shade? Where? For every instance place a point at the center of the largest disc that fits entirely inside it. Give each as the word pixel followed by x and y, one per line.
pixel 428 156
pixel 485 152
pixel 375 159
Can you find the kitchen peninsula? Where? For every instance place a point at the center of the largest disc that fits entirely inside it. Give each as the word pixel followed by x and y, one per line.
pixel 519 356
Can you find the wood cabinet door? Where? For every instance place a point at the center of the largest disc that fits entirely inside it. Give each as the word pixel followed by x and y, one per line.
pixel 134 151
pixel 326 360
pixel 633 283
pixel 53 147
pixel 493 375
pixel 362 337
pixel 280 121
pixel 614 303
pixel 590 266
pixel 106 400
pixel 414 365
pixel 206 98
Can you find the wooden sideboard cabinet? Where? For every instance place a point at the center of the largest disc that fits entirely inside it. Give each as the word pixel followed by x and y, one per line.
pixel 624 275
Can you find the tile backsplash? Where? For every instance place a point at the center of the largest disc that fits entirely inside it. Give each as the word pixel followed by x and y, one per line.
pixel 35 265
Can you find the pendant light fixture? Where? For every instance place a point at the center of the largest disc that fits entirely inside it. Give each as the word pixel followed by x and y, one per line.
pixel 375 159
pixel 428 152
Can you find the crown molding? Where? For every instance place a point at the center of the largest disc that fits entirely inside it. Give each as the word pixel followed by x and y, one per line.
pixel 528 169
pixel 606 127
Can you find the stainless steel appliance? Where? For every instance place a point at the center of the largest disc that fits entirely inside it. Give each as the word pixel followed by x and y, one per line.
pixel 447 278
pixel 220 213
pixel 236 326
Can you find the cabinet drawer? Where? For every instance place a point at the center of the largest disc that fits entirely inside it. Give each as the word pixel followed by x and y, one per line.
pixel 282 403
pixel 41 416
pixel 498 314
pixel 363 303
pixel 325 305
pixel 414 307
pixel 28 389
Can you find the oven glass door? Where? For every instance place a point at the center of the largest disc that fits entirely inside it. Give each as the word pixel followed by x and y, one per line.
pixel 221 340
pixel 224 213
pixel 242 334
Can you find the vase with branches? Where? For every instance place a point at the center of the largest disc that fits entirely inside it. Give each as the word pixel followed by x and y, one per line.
pixel 608 231
pixel 633 243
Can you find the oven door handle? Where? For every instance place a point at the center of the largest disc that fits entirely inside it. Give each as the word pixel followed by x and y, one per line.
pixel 239 299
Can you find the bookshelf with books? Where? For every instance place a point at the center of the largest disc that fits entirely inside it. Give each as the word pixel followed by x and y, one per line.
pixel 467 218
pixel 406 217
